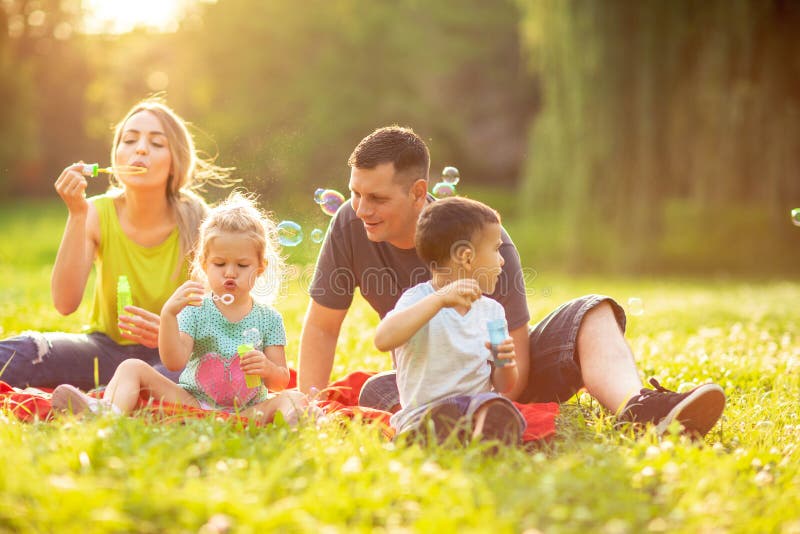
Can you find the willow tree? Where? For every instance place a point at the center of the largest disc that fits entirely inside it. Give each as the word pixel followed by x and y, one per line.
pixel 668 132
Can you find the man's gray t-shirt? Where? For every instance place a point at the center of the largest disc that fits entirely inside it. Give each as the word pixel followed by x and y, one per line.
pixel 382 272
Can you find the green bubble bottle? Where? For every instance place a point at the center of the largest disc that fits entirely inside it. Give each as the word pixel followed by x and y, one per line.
pixel 124 297
pixel 252 339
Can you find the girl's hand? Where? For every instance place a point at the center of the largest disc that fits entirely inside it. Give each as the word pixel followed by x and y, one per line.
pixel 460 293
pixel 505 351
pixel 255 362
pixel 188 294
pixel 141 326
pixel 71 187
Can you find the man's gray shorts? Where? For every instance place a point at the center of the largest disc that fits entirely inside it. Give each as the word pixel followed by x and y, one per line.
pixel 555 373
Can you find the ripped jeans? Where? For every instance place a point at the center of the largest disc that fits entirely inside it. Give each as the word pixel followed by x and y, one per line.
pixel 49 359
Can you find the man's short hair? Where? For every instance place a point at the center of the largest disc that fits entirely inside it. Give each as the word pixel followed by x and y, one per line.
pixel 397 145
pixel 446 224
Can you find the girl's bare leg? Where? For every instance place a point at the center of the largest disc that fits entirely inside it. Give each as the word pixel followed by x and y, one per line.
pixel 134 376
pixel 290 403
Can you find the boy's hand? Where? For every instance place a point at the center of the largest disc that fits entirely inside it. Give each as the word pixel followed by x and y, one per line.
pixel 188 294
pixel 460 293
pixel 505 351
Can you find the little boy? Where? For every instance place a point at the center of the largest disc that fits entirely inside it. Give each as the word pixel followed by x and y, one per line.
pixel 445 369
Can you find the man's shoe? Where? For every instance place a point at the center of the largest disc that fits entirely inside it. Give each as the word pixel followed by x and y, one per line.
pixel 697 410
pixel 67 398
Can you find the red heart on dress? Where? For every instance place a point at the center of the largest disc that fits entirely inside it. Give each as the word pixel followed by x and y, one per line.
pixel 223 380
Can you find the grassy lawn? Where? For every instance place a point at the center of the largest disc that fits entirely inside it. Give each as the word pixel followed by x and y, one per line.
pixel 132 475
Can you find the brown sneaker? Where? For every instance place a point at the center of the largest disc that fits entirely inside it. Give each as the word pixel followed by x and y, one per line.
pixel 697 410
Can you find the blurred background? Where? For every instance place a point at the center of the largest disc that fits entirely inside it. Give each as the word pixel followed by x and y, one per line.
pixel 615 137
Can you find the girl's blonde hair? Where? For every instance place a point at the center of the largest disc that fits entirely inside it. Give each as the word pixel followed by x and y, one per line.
pixel 238 214
pixel 189 173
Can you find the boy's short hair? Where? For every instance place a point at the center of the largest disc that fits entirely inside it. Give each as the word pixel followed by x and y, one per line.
pixel 450 222
pixel 397 145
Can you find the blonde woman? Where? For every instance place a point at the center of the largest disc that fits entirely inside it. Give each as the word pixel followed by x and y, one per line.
pixel 143 228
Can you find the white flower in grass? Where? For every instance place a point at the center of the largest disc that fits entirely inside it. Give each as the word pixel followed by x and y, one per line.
pixel 394 466
pixel 430 468
pixel 763 478
pixel 352 465
pixel 667 445
pixel 64 482
pixel 83 458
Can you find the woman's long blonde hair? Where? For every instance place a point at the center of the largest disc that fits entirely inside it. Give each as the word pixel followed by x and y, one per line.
pixel 189 173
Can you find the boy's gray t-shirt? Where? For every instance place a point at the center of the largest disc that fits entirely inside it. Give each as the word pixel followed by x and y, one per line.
pixel 382 272
pixel 446 357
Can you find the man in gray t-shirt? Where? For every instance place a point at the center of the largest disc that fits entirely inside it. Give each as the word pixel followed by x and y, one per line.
pixel 371 246
pixel 382 271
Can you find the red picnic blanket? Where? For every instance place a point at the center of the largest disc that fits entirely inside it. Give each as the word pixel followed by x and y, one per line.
pixel 31 404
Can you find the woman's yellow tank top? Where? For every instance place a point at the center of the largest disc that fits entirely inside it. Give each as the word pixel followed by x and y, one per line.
pixel 151 271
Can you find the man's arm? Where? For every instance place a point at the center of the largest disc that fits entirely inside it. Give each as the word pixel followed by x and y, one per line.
pixel 321 328
pixel 523 358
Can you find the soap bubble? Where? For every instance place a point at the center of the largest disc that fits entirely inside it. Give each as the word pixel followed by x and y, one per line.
pixel 330 201
pixel 290 234
pixel 317 235
pixel 226 298
pixel 635 306
pixel 450 175
pixel 318 195
pixel 796 216
pixel 252 336
pixel 443 190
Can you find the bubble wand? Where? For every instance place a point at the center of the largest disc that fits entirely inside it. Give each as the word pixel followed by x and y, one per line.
pixel 93 169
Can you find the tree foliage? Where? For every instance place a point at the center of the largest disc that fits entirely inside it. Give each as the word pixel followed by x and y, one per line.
pixel 669 134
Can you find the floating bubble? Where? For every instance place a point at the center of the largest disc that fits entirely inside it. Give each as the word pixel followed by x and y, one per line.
pixel 635 306
pixel 317 235
pixel 318 195
pixel 330 201
pixel 443 190
pixel 290 234
pixel 226 299
pixel 796 216
pixel 252 336
pixel 450 175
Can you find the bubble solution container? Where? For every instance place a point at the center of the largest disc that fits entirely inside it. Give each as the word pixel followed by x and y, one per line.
pixel 498 332
pixel 252 338
pixel 124 297
pixel 90 169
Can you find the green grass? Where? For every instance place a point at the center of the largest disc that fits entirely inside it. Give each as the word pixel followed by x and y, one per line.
pixel 134 475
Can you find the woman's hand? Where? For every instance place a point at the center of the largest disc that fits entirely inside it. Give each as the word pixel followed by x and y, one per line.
pixel 140 326
pixel 71 187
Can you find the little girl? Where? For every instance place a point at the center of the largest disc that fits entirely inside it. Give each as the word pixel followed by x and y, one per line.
pixel 202 334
